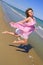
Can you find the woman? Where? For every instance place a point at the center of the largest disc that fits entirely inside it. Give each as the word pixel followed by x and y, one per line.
pixel 24 28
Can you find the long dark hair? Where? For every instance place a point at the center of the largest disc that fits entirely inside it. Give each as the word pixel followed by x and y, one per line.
pixel 27 15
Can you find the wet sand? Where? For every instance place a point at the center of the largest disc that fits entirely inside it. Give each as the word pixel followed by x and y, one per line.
pixel 9 54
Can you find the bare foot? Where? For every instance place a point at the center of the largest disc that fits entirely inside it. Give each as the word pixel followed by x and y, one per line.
pixel 14 42
pixel 5 32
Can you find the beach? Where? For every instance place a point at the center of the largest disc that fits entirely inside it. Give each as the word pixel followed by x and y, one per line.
pixel 9 54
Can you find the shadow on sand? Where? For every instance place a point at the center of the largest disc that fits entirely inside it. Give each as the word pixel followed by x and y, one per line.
pixel 22 48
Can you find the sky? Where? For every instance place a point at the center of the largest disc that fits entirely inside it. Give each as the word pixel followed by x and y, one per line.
pixel 36 5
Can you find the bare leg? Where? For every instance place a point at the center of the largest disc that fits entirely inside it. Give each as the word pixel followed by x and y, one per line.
pixel 7 32
pixel 24 41
pixel 11 33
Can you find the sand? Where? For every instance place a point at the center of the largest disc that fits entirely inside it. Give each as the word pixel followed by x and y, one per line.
pixel 9 54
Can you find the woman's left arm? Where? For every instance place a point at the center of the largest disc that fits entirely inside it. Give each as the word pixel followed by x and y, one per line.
pixel 23 21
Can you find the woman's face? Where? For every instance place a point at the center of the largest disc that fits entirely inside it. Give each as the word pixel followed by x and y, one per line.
pixel 30 12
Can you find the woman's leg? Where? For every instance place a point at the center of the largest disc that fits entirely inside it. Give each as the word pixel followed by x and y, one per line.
pixel 7 32
pixel 24 41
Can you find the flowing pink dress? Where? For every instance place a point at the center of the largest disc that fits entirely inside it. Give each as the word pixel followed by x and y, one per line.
pixel 24 29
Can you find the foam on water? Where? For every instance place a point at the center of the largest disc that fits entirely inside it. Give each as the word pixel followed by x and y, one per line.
pixel 39 31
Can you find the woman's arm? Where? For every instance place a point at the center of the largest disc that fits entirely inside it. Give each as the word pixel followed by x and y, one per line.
pixel 25 20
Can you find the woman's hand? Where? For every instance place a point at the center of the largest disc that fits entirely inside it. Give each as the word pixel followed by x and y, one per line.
pixel 12 23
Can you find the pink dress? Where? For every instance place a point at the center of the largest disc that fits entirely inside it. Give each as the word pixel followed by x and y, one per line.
pixel 24 29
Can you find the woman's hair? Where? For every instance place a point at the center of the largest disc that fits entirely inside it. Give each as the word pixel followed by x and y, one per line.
pixel 27 15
